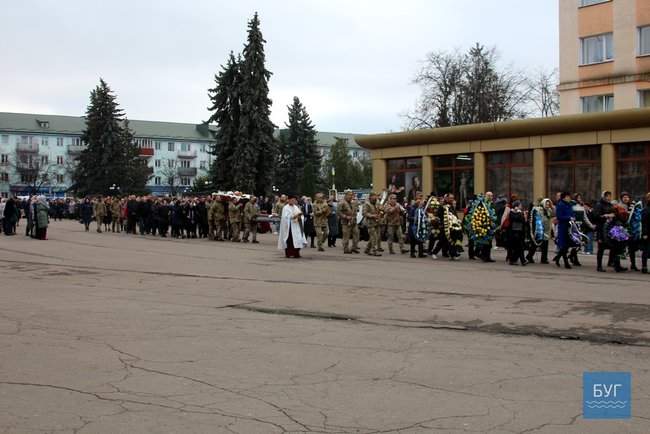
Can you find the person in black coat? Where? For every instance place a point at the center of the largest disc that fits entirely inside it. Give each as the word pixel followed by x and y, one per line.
pixel 86 213
pixel 308 212
pixel 603 212
pixel 202 218
pixel 131 215
pixel 163 218
pixel 9 217
pixel 516 234
pixel 645 235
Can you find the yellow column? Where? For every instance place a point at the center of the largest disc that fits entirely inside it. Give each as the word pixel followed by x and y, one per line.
pixel 379 168
pixel 427 174
pixel 480 172
pixel 539 174
pixel 608 168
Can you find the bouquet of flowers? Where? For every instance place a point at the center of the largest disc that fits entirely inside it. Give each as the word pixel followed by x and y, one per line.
pixel 617 234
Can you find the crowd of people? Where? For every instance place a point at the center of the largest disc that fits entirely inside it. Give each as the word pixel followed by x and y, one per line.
pixel 430 226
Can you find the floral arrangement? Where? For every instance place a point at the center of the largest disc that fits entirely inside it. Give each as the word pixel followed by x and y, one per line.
pixel 481 221
pixel 634 221
pixel 617 233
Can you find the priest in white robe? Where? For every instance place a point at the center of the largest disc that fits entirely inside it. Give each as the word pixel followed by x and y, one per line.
pixel 292 233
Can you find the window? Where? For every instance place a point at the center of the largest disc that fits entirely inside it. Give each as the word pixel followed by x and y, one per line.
pixel 59 141
pixel 5 139
pixel 644 40
pixel 75 141
pixel 404 175
pixel 597 103
pixel 454 174
pixel 185 180
pixel 44 160
pixel 510 173
pixel 157 180
pixel 355 154
pixel 59 160
pixel 156 163
pixel 644 98
pixel 4 158
pixel 202 164
pixel 203 147
pixel 4 177
pixel 584 3
pixel 185 147
pixel 185 163
pixel 596 49
pixel 171 163
pixel 633 168
pixel 60 179
pixel 44 141
pixel 576 170
pixel 170 146
pixel 157 146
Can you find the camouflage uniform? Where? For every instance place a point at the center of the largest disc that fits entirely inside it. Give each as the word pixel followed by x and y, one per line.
pixel 348 214
pixel 99 209
pixel 250 221
pixel 234 215
pixel 394 226
pixel 321 213
pixel 371 216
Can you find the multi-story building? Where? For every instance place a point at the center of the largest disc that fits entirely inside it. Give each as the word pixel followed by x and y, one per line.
pixel 604 55
pixel 38 152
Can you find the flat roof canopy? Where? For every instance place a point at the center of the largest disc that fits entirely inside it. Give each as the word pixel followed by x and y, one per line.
pixel 618 119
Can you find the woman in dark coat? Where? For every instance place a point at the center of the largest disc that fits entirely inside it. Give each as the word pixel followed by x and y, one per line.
pixel 564 214
pixel 516 234
pixel 86 213
pixel 9 220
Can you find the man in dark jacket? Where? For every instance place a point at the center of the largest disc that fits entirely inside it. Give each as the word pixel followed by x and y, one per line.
pixel 131 214
pixel 603 212
pixel 645 235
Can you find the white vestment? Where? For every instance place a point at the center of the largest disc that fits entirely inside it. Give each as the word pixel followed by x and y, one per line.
pixel 287 220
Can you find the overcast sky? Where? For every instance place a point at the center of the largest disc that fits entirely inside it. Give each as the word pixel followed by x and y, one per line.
pixel 350 62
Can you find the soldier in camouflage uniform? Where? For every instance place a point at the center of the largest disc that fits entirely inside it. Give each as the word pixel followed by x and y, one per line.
pixel 250 219
pixel 321 213
pixel 99 209
pixel 371 216
pixel 234 215
pixel 393 213
pixel 116 215
pixel 217 218
pixel 347 210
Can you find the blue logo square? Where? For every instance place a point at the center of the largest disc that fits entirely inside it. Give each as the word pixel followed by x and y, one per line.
pixel 606 395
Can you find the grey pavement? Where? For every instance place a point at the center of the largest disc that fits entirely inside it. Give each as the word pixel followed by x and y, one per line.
pixel 108 333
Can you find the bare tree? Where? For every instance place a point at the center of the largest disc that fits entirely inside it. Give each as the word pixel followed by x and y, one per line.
pixel 35 171
pixel 543 93
pixel 171 178
pixel 465 88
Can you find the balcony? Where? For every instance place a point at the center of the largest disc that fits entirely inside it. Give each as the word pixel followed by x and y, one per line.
pixel 187 154
pixel 75 149
pixel 187 171
pixel 146 152
pixel 31 148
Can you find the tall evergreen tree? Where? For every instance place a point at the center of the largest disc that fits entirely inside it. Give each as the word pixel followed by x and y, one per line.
pixel 111 156
pixel 226 113
pixel 254 159
pixel 298 167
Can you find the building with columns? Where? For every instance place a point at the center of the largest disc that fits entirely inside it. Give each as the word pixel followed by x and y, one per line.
pixel 532 158
pixel 604 55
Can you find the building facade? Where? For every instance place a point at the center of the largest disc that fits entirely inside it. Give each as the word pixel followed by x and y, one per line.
pixel 604 55
pixel 38 152
pixel 532 158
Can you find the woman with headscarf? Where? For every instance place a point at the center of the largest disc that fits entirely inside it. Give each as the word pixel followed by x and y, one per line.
pixel 41 217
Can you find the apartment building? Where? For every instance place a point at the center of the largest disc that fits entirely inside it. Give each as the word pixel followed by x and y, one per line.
pixel 604 55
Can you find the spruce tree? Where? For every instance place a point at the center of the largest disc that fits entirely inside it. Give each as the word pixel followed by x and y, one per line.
pixel 254 158
pixel 111 156
pixel 226 113
pixel 298 167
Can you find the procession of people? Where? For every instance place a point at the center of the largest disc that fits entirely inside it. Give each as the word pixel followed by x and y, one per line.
pixel 425 226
